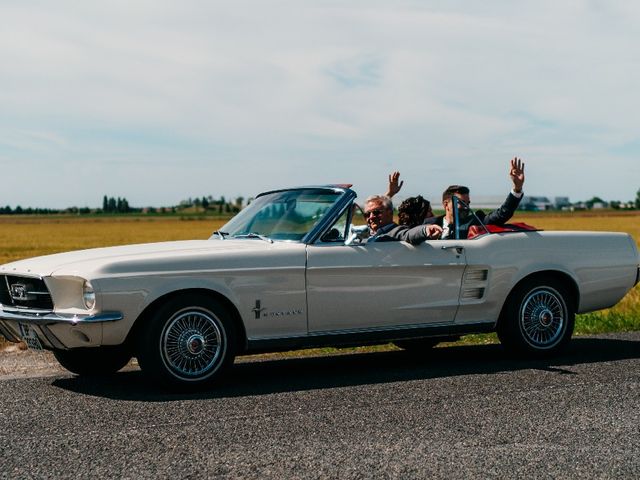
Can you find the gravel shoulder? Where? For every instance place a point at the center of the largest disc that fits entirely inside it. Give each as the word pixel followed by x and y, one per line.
pixel 18 362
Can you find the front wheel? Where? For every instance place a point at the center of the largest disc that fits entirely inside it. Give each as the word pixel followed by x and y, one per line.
pixel 538 318
pixel 93 361
pixel 188 343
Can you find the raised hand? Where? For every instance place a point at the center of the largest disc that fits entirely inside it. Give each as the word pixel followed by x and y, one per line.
pixel 394 184
pixel 516 173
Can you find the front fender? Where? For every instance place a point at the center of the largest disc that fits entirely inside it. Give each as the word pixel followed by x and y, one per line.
pixel 134 294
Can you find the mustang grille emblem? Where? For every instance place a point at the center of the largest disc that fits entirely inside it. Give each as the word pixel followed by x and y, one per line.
pixel 19 292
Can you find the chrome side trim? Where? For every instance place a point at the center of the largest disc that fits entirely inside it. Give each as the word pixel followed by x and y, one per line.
pixel 366 336
pixel 49 318
pixel 398 328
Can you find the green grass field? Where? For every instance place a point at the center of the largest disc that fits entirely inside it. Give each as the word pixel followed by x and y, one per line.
pixel 29 236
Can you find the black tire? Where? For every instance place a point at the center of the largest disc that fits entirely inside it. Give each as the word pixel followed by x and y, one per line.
pixel 188 343
pixel 538 318
pixel 93 361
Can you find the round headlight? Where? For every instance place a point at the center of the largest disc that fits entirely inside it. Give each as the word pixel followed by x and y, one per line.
pixel 88 295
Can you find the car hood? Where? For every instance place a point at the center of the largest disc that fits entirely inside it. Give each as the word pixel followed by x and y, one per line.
pixel 141 257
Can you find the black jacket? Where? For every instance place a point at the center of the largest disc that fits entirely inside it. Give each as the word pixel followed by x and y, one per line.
pixel 499 216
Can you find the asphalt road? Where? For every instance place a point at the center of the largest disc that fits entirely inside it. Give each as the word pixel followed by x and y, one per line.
pixel 459 412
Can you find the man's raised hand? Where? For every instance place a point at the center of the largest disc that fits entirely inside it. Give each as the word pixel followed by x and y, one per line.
pixel 516 172
pixel 394 184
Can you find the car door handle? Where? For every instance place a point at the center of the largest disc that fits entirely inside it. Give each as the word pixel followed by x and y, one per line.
pixel 458 248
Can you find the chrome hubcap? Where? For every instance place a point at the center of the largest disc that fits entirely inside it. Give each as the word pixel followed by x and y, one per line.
pixel 546 317
pixel 192 343
pixel 543 318
pixel 195 344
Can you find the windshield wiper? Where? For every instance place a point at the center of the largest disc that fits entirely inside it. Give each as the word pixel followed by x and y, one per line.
pixel 254 235
pixel 221 234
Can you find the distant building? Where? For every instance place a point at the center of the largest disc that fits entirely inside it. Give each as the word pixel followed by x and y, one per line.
pixel 561 203
pixel 536 203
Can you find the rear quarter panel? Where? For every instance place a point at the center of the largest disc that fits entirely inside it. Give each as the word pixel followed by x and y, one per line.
pixel 602 265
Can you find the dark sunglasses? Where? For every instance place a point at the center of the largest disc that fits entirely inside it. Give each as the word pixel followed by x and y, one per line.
pixel 375 212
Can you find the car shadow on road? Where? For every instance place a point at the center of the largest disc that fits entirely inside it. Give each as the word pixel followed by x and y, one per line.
pixel 261 377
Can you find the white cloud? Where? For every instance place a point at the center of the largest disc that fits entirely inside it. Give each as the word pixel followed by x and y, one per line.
pixel 305 92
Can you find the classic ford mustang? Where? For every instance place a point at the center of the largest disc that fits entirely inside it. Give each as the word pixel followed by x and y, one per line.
pixel 291 271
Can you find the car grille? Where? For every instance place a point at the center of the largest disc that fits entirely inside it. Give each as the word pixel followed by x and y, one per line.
pixel 25 292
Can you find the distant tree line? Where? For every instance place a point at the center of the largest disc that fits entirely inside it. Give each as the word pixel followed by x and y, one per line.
pixel 115 205
pixel 210 204
pixel 7 210
pixel 27 211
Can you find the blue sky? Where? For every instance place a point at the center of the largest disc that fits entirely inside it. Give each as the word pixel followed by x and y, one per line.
pixel 161 100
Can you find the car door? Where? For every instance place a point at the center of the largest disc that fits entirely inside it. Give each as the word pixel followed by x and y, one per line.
pixel 382 284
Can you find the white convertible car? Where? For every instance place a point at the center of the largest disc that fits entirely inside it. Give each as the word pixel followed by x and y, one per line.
pixel 290 271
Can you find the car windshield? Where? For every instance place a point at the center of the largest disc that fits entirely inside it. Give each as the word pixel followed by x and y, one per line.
pixel 284 215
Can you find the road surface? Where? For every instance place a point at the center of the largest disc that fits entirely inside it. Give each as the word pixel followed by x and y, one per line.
pixel 458 412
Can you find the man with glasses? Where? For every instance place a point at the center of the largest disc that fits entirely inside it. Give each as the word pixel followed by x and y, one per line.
pixel 378 212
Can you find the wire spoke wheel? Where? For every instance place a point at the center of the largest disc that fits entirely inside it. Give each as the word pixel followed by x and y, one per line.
pixel 192 343
pixel 538 317
pixel 188 342
pixel 543 317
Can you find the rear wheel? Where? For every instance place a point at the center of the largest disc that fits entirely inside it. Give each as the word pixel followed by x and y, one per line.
pixel 538 318
pixel 93 361
pixel 188 343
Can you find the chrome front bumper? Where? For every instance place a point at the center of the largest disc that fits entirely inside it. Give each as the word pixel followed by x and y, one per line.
pixel 50 317
pixel 11 318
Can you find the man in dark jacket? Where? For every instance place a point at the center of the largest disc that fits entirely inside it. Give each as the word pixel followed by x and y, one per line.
pixel 378 212
pixel 500 216
pixel 466 219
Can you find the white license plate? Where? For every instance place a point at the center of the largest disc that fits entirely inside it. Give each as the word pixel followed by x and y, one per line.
pixel 29 336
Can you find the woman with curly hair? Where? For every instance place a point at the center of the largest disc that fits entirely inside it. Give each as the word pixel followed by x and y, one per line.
pixel 413 211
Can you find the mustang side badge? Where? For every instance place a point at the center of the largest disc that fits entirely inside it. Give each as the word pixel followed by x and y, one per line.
pixel 260 311
pixel 257 310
